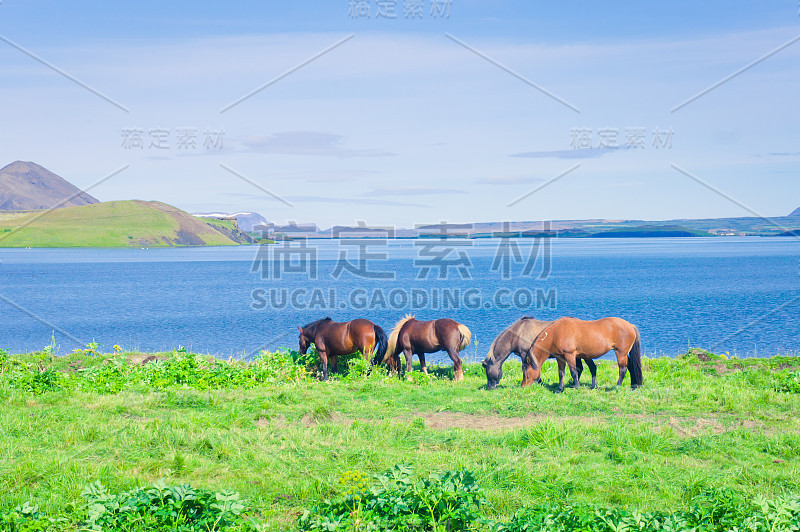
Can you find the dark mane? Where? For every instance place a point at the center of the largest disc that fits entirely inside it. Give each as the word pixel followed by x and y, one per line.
pixel 311 328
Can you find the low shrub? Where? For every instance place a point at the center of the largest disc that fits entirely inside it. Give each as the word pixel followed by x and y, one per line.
pixel 162 508
pixel 399 500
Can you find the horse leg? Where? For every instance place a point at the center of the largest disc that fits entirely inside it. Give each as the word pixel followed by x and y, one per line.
pixel 422 364
pixel 409 360
pixel 561 366
pixel 579 366
pixel 323 356
pixel 573 369
pixel 622 360
pixel 334 363
pixel 458 366
pixel 592 370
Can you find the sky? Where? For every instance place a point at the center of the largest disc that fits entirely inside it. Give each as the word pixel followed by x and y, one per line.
pixel 409 112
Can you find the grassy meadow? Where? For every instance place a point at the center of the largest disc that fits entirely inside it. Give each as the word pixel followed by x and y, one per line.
pixel 111 224
pixel 703 433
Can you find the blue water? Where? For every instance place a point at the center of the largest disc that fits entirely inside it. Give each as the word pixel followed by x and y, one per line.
pixel 735 295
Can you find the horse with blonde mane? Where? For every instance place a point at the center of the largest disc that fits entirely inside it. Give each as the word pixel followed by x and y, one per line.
pixel 412 337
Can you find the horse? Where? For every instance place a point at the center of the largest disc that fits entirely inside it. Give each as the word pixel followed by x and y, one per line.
pixel 411 337
pixel 570 339
pixel 334 339
pixel 517 338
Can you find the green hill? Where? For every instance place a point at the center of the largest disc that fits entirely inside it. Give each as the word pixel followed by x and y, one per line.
pixel 131 223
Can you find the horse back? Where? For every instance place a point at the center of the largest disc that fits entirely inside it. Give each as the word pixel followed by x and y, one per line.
pixel 349 336
pixel 591 336
pixel 429 336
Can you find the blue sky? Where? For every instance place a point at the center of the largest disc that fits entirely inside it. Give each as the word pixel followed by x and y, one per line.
pixel 409 121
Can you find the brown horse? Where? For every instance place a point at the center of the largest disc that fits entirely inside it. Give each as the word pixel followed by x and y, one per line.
pixel 333 339
pixel 518 339
pixel 420 337
pixel 570 339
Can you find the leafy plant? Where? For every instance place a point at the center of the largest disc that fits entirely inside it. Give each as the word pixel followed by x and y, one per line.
pixel 36 381
pixel 27 518
pixel 51 349
pixel 787 382
pixel 161 508
pixel 718 510
pixel 357 368
pixel 399 500
pixel 92 348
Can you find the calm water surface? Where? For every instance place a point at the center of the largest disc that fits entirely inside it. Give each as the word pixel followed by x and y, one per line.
pixel 740 295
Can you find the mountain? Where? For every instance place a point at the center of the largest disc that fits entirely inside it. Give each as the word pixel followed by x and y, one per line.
pixel 131 223
pixel 795 212
pixel 28 186
pixel 246 220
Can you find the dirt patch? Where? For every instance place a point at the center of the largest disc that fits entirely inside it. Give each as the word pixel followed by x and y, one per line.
pixel 271 421
pixel 681 426
pixel 72 367
pixel 137 418
pixel 701 354
pixel 457 420
pixel 140 359
pixel 721 369
pixel 689 427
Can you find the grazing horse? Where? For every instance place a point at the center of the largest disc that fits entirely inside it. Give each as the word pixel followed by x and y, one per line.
pixel 419 337
pixel 570 339
pixel 517 338
pixel 334 339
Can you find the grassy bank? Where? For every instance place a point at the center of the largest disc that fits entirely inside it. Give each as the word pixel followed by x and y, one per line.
pixel 131 223
pixel 283 441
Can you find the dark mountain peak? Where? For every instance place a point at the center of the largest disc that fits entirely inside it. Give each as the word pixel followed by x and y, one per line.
pixel 795 212
pixel 25 185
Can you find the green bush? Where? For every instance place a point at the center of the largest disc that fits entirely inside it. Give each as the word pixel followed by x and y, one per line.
pixel 161 508
pixel 787 381
pixel 36 381
pixel 27 518
pixel 114 374
pixel 398 500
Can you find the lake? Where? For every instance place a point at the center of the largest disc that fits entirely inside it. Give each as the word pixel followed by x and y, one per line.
pixel 739 295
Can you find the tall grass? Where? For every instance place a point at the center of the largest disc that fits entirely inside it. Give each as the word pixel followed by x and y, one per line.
pixel 273 433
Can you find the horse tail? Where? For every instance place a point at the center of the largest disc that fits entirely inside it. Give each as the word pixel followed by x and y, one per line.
pixel 635 361
pixel 381 343
pixel 466 336
pixel 392 347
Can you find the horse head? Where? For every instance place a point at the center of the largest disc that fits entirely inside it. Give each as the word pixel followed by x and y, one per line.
pixel 303 340
pixel 494 371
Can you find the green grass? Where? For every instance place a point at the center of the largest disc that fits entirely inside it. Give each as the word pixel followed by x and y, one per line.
pixel 283 440
pixel 109 224
pixel 228 224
